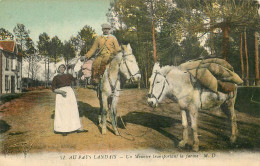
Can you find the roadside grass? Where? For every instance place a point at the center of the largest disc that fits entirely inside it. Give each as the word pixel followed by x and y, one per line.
pixel 248 100
pixel 8 97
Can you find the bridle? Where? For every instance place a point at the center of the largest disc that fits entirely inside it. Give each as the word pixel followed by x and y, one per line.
pixel 127 67
pixel 113 87
pixel 151 95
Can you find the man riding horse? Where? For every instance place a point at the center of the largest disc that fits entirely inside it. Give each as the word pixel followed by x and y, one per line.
pixel 107 46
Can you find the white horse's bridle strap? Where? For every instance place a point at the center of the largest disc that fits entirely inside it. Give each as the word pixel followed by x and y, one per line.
pixel 127 67
pixel 151 95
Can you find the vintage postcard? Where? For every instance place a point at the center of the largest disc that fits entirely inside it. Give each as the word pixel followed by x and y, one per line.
pixel 123 82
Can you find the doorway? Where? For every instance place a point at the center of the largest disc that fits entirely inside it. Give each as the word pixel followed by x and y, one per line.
pixel 12 84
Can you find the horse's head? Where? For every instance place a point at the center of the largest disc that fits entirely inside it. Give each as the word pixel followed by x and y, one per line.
pixel 158 86
pixel 129 67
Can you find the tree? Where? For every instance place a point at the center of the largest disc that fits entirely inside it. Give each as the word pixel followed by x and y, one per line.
pixel 68 51
pixel 177 27
pixel 21 34
pixel 35 70
pixel 86 37
pixel 226 15
pixel 43 47
pixel 32 57
pixel 55 49
pixel 30 50
pixel 4 34
pixel 134 26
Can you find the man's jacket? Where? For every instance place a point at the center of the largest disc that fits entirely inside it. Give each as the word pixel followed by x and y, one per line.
pixel 110 43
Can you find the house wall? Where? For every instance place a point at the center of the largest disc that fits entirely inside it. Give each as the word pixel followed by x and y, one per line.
pixel 8 72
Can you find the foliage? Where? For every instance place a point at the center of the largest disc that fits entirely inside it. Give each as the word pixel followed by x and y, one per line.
pixel 68 51
pixel 44 44
pixel 8 97
pixel 4 34
pixel 55 49
pixel 21 34
pixel 87 37
pixel 84 40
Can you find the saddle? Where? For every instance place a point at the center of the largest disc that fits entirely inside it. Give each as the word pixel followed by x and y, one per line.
pixel 91 74
pixel 87 69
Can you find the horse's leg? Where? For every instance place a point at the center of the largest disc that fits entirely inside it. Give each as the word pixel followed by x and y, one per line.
pixel 104 114
pixel 228 108
pixel 101 106
pixel 193 112
pixel 113 114
pixel 184 140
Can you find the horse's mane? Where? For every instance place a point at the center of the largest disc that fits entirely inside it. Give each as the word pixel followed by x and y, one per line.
pixel 166 69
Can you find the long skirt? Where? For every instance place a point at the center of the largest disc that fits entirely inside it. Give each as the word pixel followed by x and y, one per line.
pixel 66 112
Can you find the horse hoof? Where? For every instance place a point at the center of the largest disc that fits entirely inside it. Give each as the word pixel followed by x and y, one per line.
pixel 99 119
pixel 104 131
pixel 233 139
pixel 117 133
pixel 182 144
pixel 195 148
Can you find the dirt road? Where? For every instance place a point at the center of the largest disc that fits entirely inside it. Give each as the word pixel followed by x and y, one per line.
pixel 27 126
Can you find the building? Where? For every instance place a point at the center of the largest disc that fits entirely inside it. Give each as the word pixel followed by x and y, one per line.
pixel 10 67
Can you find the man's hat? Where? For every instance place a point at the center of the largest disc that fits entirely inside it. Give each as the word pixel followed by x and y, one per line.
pixel 106 26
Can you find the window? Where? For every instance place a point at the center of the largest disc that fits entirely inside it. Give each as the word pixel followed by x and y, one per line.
pixel 6 83
pixel 13 64
pixel 18 82
pixel 7 64
pixel 18 66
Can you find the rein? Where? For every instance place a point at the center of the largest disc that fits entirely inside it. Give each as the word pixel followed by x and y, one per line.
pixel 129 71
pixel 113 87
pixel 151 95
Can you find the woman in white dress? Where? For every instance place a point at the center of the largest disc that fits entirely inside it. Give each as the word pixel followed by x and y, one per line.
pixel 66 118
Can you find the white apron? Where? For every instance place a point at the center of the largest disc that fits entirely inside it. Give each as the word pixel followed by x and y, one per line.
pixel 66 112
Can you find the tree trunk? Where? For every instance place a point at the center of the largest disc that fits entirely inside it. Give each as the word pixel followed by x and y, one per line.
pixel 257 81
pixel 48 74
pixel 225 30
pixel 45 72
pixel 32 71
pixel 212 50
pixel 241 56
pixel 153 31
pixel 32 65
pixel 247 64
pixel 146 81
pixel 154 44
pixel 29 67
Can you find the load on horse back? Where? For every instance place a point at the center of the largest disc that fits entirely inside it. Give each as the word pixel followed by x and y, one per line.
pixel 196 85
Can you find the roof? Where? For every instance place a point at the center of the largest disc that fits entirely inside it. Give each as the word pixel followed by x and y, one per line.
pixel 7 45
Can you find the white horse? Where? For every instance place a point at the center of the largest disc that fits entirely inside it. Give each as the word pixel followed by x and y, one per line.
pixel 182 87
pixel 123 66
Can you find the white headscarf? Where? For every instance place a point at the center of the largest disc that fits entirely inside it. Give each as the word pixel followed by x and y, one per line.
pixel 57 70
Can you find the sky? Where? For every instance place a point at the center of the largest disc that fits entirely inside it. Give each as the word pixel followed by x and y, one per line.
pixel 63 18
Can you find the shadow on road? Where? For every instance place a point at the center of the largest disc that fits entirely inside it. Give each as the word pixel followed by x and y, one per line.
pixel 4 127
pixel 88 111
pixel 248 100
pixel 248 133
pixel 156 122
